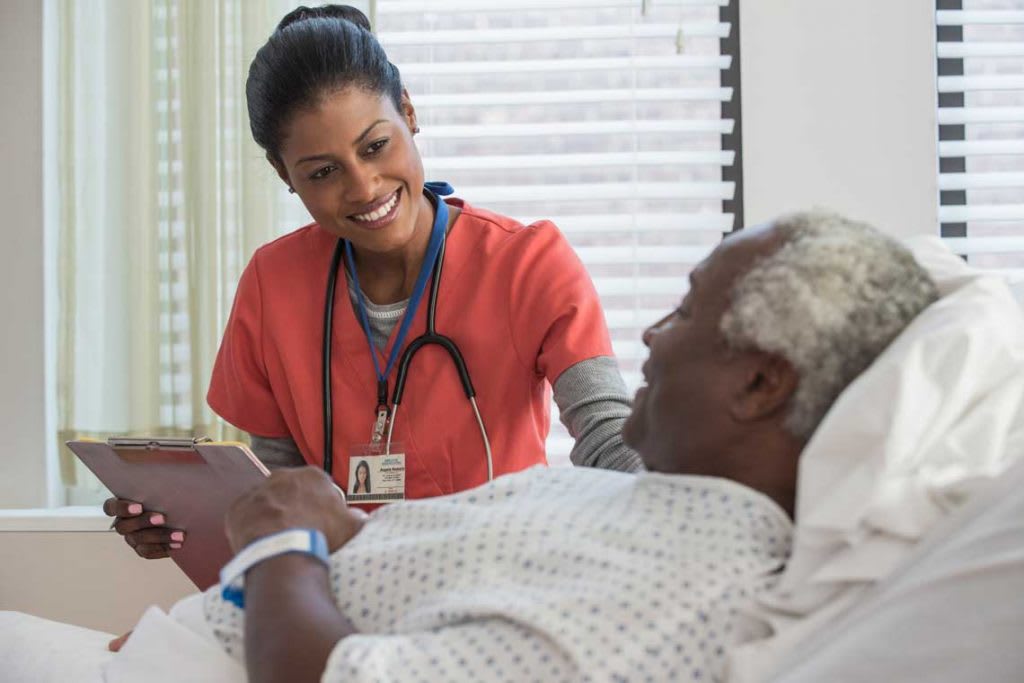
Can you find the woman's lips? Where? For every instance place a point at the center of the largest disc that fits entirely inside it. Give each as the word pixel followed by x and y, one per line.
pixel 381 215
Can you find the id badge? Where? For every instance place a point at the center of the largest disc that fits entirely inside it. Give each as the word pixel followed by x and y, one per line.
pixel 375 476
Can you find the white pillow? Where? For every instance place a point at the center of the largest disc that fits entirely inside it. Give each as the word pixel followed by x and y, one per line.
pixel 1018 291
pixel 952 613
pixel 931 414
pixel 939 412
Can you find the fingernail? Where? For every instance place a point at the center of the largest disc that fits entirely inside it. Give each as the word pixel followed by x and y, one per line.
pixel 156 519
pixel 175 546
pixel 177 535
pixel 135 509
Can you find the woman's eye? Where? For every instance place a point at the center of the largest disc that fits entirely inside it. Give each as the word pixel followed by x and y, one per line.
pixel 322 172
pixel 376 147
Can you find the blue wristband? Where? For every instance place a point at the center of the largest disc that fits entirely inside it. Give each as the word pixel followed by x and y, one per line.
pixel 232 576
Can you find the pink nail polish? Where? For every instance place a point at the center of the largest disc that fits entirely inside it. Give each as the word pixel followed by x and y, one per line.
pixel 177 536
pixel 175 546
pixel 156 519
pixel 134 509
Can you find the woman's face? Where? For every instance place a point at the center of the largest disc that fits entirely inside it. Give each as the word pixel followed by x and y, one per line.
pixel 361 473
pixel 353 163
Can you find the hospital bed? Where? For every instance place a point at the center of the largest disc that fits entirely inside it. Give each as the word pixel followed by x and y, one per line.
pixel 902 591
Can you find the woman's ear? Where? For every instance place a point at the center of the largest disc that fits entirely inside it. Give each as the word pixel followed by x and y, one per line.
pixel 282 173
pixel 409 112
pixel 767 383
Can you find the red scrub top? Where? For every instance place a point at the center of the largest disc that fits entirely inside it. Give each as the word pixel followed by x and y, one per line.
pixel 515 299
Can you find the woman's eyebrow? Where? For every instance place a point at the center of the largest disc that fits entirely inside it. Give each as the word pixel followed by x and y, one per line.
pixel 327 157
pixel 367 131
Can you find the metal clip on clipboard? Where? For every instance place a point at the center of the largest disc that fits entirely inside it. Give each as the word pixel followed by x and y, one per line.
pixel 151 444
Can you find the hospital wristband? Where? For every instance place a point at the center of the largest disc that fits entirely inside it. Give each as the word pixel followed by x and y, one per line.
pixel 232 576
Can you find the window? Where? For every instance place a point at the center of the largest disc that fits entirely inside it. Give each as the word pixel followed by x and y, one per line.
pixel 613 118
pixel 981 130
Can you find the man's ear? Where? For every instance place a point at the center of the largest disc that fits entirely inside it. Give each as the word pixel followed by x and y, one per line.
pixel 767 383
pixel 409 112
pixel 279 168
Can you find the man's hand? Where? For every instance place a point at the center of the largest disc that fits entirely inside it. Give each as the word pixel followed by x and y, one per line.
pixel 117 643
pixel 300 497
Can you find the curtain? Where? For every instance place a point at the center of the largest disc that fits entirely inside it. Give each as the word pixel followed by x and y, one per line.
pixel 164 196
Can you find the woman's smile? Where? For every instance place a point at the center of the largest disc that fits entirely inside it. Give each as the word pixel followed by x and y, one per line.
pixel 380 213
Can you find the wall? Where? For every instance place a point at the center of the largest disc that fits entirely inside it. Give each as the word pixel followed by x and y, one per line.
pixel 839 110
pixel 81 573
pixel 22 347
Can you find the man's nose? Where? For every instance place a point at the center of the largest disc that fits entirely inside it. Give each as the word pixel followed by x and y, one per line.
pixel 652 330
pixel 648 335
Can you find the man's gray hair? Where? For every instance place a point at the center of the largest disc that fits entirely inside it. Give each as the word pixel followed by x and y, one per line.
pixel 829 301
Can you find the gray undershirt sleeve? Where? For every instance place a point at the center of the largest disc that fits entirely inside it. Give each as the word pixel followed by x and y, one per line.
pixel 593 404
pixel 276 453
pixel 592 401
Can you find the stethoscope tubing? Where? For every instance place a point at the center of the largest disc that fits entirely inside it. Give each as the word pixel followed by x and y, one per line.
pixel 328 416
pixel 429 337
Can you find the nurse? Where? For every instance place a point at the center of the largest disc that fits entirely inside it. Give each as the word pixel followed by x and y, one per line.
pixel 514 301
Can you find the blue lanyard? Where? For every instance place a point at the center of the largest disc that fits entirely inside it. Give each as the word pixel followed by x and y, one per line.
pixel 432 190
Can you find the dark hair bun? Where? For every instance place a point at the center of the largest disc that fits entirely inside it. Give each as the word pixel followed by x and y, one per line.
pixel 314 52
pixel 345 12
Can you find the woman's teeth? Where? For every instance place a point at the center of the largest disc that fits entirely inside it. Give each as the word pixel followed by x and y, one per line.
pixel 379 213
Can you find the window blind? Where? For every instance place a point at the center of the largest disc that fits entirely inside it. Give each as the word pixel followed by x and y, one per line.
pixel 604 116
pixel 980 53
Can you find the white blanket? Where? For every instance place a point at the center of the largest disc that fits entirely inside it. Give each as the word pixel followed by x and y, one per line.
pixel 44 651
pixel 549 574
pixel 554 575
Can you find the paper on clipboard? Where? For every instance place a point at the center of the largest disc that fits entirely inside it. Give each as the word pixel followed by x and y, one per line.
pixel 192 482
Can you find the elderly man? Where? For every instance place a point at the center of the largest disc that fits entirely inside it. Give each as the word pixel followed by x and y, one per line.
pixel 590 575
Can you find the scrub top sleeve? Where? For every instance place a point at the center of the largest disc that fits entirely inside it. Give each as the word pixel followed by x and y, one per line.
pixel 556 315
pixel 240 390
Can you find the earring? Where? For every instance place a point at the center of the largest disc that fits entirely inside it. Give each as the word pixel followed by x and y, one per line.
pixel 291 190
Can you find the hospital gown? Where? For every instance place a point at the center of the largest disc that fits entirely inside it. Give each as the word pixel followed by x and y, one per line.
pixel 550 575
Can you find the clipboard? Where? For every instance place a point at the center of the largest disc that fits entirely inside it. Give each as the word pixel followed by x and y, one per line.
pixel 192 481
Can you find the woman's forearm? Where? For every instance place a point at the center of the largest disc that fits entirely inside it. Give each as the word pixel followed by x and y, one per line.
pixel 593 405
pixel 292 621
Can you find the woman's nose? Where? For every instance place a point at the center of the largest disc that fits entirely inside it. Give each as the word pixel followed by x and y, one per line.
pixel 361 187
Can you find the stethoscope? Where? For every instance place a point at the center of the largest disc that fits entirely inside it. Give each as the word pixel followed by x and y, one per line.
pixel 433 261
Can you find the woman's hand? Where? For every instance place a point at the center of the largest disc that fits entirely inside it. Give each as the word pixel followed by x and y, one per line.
pixel 301 497
pixel 144 530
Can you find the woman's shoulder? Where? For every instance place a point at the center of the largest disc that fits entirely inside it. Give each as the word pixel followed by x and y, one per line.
pixel 292 251
pixel 489 225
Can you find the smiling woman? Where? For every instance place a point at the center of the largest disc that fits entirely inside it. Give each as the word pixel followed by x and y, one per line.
pixel 317 380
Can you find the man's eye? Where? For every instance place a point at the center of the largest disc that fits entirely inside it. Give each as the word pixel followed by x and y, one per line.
pixel 683 312
pixel 322 172
pixel 376 147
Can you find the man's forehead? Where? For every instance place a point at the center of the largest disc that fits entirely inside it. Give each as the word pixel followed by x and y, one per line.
pixel 737 253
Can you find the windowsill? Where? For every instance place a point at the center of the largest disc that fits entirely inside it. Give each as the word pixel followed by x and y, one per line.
pixel 73 518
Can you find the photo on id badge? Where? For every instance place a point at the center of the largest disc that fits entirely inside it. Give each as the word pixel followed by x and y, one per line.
pixel 375 476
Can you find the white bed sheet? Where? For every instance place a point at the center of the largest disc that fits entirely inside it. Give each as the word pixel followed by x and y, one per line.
pixel 44 651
